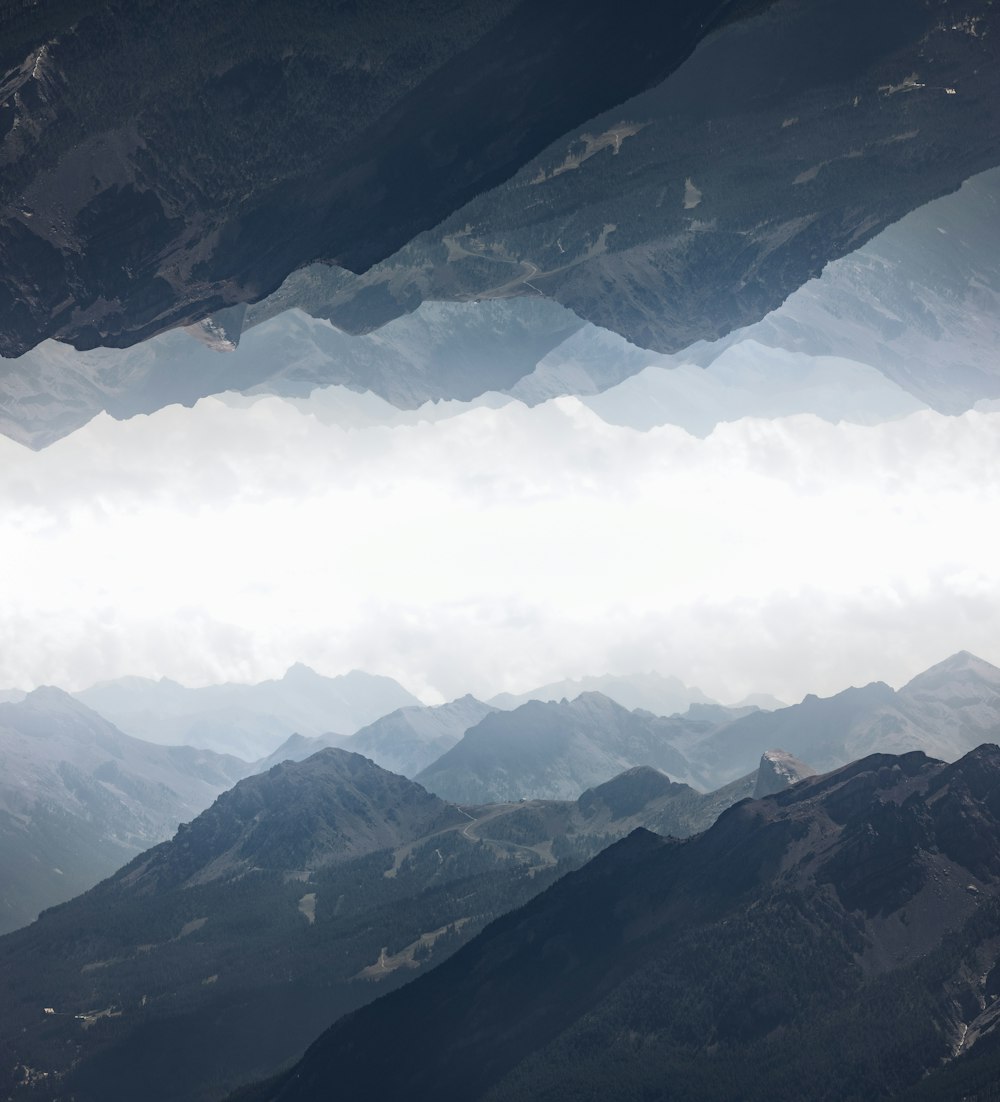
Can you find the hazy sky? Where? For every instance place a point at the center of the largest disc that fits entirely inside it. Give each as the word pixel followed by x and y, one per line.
pixel 499 549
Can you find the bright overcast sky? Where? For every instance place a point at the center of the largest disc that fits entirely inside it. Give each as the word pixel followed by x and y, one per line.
pixel 499 549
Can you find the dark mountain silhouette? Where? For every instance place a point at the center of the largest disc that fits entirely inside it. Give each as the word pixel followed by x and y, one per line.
pixel 835 941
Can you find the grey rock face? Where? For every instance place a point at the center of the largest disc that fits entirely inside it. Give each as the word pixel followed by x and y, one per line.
pixel 779 770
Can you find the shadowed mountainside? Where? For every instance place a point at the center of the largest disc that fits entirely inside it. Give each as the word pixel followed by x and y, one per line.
pixel 837 941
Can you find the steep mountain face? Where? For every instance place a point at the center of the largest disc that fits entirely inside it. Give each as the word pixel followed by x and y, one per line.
pixel 410 739
pixel 836 940
pixel 78 799
pixel 944 712
pixel 299 895
pixel 248 720
pixel 277 139
pixel 653 692
pixel 556 750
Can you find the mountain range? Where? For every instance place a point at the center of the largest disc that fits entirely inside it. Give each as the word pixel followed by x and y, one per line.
pixel 549 750
pixel 247 720
pixel 945 711
pixel 837 940
pixel 553 750
pixel 299 895
pixel 77 803
pixel 824 350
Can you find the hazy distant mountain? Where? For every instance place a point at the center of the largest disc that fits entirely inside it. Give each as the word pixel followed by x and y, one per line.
pixel 653 692
pixel 765 701
pixel 404 741
pixel 835 941
pixel 556 750
pixel 409 739
pixel 299 895
pixel 946 711
pixel 78 799
pixel 247 720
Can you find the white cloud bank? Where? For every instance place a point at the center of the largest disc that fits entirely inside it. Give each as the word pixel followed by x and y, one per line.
pixel 500 549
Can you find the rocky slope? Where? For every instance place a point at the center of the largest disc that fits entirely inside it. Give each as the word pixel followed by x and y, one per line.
pixel 248 720
pixel 777 771
pixel 78 799
pixel 835 941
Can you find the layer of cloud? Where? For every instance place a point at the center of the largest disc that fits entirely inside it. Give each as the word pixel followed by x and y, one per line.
pixel 499 549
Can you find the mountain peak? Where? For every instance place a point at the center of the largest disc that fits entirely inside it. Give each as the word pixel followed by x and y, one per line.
pixel 333 806
pixel 962 668
pixel 299 671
